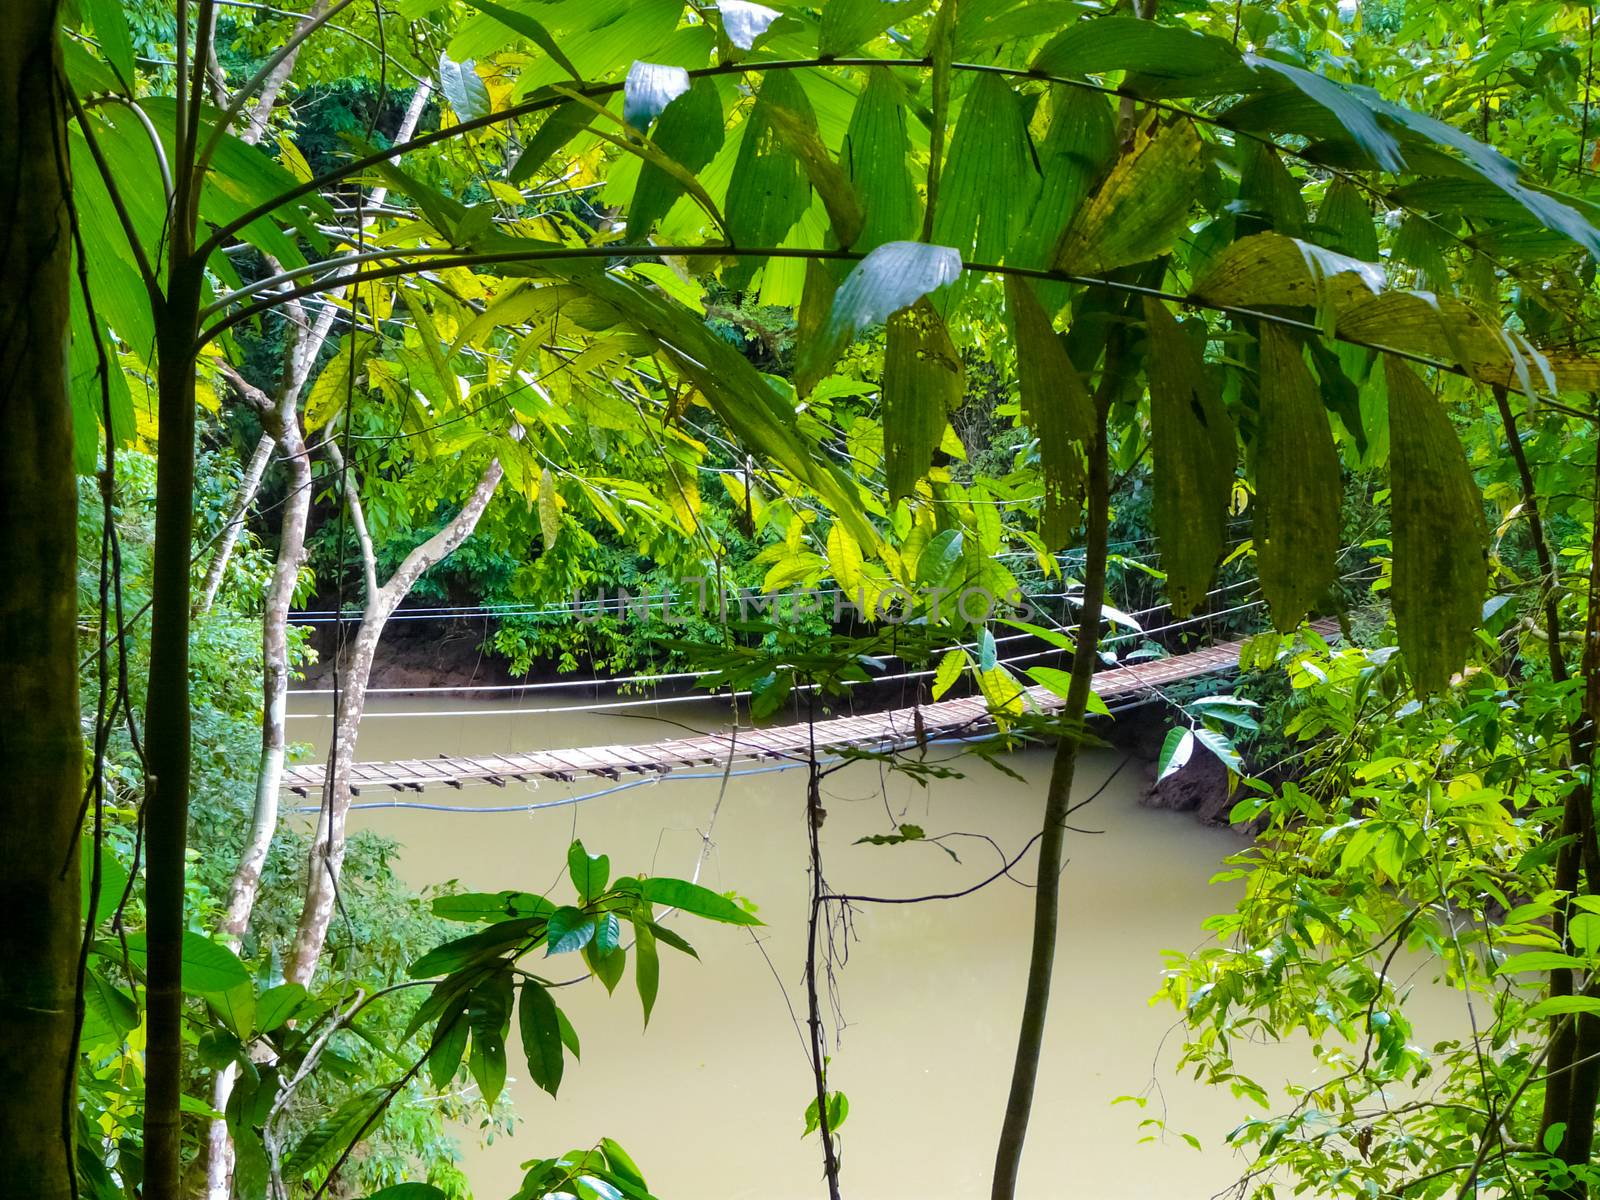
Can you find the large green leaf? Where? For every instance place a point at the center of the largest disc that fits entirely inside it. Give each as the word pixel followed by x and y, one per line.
pixel 769 191
pixel 1192 449
pixel 589 872
pixel 477 947
pixel 1358 120
pixel 110 21
pixel 890 278
pixel 1057 409
pixel 1297 484
pixel 564 122
pixel 923 383
pixel 1142 205
pixel 989 179
pixel 798 130
pixel 489 1015
pixel 1125 43
pixel 539 1021
pixel 646 964
pixel 1269 196
pixel 1440 569
pixel 1077 151
pixel 531 29
pixel 690 132
pixel 846 24
pixel 752 408
pixel 1270 270
pixel 876 158
pixel 1344 222
pixel 692 898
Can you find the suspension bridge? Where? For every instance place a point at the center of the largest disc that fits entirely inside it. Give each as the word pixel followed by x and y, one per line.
pixel 885 731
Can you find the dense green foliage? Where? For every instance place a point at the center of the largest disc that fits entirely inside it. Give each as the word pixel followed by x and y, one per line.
pixel 1251 311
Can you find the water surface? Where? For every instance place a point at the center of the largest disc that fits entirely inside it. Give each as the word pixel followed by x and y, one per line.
pixel 710 1099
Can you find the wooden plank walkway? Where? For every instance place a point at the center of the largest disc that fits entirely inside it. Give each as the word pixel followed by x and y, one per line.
pixel 893 729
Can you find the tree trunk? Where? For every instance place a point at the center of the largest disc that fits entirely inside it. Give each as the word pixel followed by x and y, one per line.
pixel 327 850
pixel 167 729
pixel 282 422
pixel 1058 802
pixel 249 484
pixel 246 884
pixel 40 738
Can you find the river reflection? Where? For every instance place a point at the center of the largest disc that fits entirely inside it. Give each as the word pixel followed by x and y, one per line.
pixel 710 1099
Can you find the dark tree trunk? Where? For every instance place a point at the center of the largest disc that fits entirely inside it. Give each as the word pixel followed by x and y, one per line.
pixel 40 738
pixel 167 737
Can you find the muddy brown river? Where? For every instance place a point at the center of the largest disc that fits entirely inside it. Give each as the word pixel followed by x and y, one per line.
pixel 710 1099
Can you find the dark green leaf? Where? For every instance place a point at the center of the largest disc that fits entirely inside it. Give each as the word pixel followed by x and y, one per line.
pixel 607 965
pixel 618 1159
pixel 989 180
pixel 530 29
pixel 1192 459
pixel 449 1044
pixel 565 122
pixel 540 1023
pixel 769 191
pixel 876 159
pixel 692 898
pixel 277 1005
pixel 646 965
pixel 798 130
pixel 489 1013
pixel 1353 114
pixel 689 131
pixel 939 557
pixel 1440 570
pixel 1119 43
pixel 491 906
pixel 1297 484
pixel 477 947
pixel 589 872
pixel 1345 221
pixel 846 24
pixel 569 929
pixel 409 1191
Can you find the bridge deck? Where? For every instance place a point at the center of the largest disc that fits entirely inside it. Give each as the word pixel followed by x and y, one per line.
pixel 871 731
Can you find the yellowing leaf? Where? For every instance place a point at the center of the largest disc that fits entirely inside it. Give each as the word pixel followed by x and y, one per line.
pixel 1142 205
pixel 1056 408
pixel 950 668
pixel 334 384
pixel 923 381
pixel 844 559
